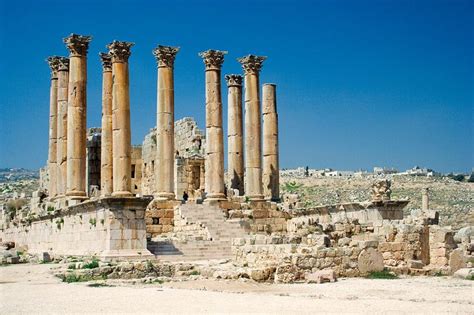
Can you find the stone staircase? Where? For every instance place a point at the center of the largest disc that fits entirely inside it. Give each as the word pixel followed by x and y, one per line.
pixel 220 233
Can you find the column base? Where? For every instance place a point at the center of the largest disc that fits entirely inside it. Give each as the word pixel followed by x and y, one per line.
pixel 122 194
pixel 78 194
pixel 165 196
pixel 255 197
pixel 215 197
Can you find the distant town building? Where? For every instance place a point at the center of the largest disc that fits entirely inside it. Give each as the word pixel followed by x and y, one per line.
pixel 340 174
pixel 384 170
pixel 418 171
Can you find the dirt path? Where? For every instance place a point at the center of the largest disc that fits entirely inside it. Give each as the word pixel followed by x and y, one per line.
pixel 32 289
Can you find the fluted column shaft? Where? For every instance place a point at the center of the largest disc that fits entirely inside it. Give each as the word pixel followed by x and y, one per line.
pixel 77 115
pixel 271 176
pixel 235 147
pixel 164 165
pixel 106 156
pixel 214 178
pixel 253 144
pixel 121 135
pixel 61 154
pixel 53 125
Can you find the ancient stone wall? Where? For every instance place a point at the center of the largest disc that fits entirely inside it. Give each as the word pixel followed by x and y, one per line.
pixel 189 142
pixel 108 228
pixel 159 217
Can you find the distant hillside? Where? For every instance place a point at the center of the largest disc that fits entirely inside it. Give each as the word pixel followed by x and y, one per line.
pixel 16 174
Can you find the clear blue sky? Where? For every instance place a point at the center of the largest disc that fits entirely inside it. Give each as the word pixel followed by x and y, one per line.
pixel 359 83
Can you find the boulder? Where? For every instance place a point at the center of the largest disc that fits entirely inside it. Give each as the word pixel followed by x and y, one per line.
pixel 370 260
pixel 464 235
pixel 261 274
pixel 464 273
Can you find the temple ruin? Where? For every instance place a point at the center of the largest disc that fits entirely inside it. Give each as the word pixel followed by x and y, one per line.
pixel 172 199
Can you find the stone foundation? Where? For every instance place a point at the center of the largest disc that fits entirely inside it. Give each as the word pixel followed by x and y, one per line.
pixel 110 228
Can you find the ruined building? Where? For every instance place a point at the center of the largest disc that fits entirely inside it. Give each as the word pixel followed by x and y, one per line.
pixel 113 200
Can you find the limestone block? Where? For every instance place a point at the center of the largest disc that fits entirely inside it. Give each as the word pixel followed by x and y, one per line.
pixel 321 276
pixel 415 264
pixel 368 244
pixel 370 260
pixel 457 260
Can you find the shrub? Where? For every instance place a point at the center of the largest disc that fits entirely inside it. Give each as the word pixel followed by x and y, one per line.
pixel 292 187
pixel 71 266
pixel 195 273
pixel 93 264
pixel 384 274
pixel 457 177
pixel 93 222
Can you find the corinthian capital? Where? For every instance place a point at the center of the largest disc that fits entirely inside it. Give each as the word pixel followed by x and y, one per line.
pixel 77 44
pixel 165 55
pixel 233 80
pixel 53 63
pixel 119 51
pixel 251 63
pixel 213 59
pixel 106 60
pixel 63 64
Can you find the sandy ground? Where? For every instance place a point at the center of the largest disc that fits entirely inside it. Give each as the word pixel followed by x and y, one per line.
pixel 32 289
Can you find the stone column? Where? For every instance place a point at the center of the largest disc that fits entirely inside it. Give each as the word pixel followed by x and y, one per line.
pixel 271 175
pixel 214 182
pixel 61 157
pixel 425 199
pixel 164 164
pixel 76 115
pixel 253 144
pixel 121 136
pixel 235 145
pixel 53 125
pixel 106 157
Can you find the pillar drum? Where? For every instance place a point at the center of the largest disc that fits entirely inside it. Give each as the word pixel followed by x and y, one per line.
pixel 53 125
pixel 61 157
pixel 235 152
pixel 106 157
pixel 121 135
pixel 271 176
pixel 164 169
pixel 425 203
pixel 253 145
pixel 214 177
pixel 76 115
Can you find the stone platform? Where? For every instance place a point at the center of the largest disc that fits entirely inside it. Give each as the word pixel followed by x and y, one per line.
pixel 109 228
